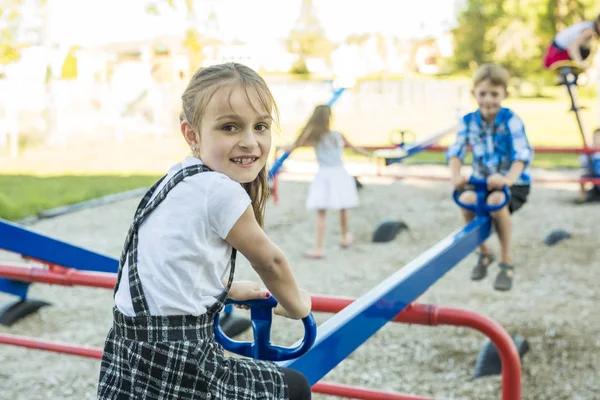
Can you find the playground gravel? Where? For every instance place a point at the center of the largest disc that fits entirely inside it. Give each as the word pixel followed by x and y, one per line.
pixel 553 303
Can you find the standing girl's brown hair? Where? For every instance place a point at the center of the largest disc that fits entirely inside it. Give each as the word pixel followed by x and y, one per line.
pixel 197 95
pixel 318 125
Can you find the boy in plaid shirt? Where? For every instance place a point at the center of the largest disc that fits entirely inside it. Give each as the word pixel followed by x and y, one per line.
pixel 501 155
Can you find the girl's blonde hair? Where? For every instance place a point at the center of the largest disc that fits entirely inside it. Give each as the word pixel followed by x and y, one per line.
pixel 203 85
pixel 497 75
pixel 316 127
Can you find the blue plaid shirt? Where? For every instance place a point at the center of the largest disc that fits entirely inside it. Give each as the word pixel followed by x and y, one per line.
pixel 495 146
pixel 584 159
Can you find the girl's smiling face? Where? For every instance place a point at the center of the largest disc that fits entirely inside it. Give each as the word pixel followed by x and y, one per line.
pixel 235 133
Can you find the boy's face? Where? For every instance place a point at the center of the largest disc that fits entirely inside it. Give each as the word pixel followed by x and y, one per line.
pixel 489 98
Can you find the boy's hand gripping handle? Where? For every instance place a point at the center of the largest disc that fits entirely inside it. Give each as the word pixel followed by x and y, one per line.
pixel 481 208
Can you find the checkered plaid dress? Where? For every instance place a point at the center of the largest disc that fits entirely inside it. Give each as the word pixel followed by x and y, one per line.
pixel 176 357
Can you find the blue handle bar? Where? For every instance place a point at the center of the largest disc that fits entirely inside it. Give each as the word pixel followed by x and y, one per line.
pixel 261 315
pixel 481 207
pixel 277 165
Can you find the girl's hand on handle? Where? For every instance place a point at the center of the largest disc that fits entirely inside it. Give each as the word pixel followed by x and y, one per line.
pixel 247 290
pixel 304 299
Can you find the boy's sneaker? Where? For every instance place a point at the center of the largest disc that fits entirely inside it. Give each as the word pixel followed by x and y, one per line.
pixel 479 271
pixel 504 279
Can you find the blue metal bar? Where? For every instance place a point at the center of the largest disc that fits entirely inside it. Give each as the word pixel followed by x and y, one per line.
pixel 350 328
pixel 418 147
pixel 15 288
pixel 279 162
pixel 35 245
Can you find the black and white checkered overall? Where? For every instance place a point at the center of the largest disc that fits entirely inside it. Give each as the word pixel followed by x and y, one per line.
pixel 176 356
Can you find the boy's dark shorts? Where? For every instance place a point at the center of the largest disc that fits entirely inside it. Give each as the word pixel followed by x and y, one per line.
pixel 518 196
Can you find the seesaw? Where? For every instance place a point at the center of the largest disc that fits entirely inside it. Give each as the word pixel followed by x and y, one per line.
pixel 357 320
pixel 65 262
pixel 568 71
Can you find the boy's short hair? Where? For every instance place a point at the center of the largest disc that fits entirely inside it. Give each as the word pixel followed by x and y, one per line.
pixel 496 74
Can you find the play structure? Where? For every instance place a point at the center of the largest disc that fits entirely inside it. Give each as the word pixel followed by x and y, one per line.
pixel 568 73
pixel 354 322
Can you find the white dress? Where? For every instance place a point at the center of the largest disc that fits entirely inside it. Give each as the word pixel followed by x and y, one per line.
pixel 333 188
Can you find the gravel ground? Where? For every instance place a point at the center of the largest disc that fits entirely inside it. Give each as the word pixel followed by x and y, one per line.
pixel 552 303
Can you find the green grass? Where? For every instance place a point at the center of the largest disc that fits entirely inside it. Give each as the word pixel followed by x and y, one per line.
pixel 26 195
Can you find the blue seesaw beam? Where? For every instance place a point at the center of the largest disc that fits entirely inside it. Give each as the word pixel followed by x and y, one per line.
pixel 28 243
pixel 420 146
pixel 279 162
pixel 350 328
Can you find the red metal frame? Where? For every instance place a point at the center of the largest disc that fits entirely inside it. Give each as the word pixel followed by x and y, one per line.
pixel 433 316
pixel 595 181
pixel 57 275
pixel 548 150
pixel 414 314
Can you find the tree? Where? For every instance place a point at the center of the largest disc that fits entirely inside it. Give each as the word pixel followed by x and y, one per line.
pixel 10 17
pixel 307 39
pixel 473 44
pixel 555 15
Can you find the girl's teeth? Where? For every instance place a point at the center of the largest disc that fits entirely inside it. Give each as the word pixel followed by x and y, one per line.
pixel 243 160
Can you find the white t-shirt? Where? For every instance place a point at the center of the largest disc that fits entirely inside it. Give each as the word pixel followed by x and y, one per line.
pixel 566 37
pixel 182 253
pixel 329 150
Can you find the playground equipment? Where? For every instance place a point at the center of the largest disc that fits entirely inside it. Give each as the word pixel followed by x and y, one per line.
pixel 568 72
pixel 356 320
pixel 65 263
pixel 261 349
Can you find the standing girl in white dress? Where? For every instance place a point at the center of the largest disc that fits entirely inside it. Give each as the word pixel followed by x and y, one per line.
pixel 333 188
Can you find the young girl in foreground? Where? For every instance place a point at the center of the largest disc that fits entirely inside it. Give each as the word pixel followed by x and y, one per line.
pixel 173 275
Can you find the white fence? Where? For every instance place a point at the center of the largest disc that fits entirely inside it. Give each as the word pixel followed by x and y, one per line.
pixel 71 111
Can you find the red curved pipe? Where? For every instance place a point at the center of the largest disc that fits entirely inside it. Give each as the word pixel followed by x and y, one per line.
pixel 423 314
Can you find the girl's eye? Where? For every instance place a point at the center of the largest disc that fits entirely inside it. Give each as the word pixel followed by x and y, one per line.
pixel 229 128
pixel 261 127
